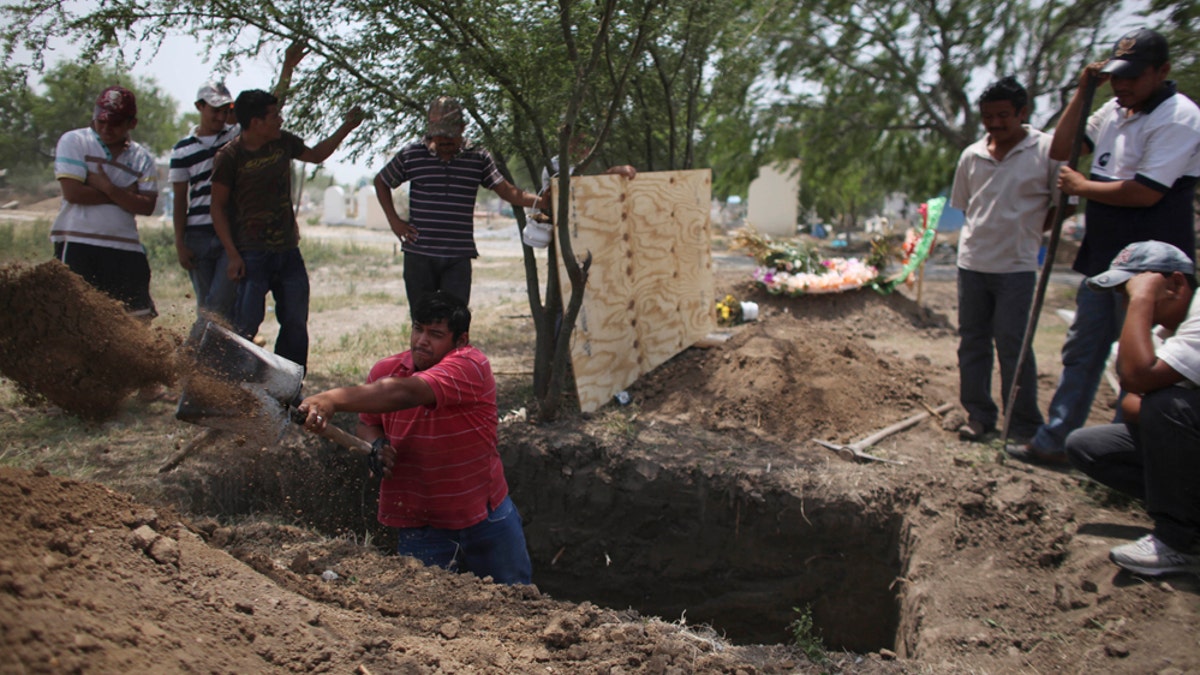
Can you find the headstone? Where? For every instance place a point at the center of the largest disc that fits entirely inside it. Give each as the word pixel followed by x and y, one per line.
pixel 335 206
pixel 774 200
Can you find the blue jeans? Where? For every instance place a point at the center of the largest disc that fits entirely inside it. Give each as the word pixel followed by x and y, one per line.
pixel 993 310
pixel 214 290
pixel 1098 319
pixel 281 273
pixel 495 546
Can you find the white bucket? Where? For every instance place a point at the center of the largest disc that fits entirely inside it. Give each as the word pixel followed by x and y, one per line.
pixel 749 311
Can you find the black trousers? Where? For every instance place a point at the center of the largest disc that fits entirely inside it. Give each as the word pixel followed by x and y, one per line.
pixel 1157 459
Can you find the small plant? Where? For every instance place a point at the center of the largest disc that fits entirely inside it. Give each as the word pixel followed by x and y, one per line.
pixel 806 636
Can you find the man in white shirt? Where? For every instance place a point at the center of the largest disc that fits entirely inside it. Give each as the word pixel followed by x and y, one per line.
pixel 1154 454
pixel 1005 186
pixel 107 179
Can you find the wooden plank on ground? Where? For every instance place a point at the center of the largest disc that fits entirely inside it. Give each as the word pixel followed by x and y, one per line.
pixel 650 291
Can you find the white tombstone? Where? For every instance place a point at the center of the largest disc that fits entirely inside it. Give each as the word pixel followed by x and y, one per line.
pixel 335 206
pixel 370 213
pixel 774 199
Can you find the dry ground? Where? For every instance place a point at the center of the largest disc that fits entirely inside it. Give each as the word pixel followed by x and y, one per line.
pixel 704 502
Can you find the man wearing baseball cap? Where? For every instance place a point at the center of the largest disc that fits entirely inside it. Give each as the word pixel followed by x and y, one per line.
pixel 107 179
pixel 1154 454
pixel 444 173
pixel 1145 144
pixel 196 243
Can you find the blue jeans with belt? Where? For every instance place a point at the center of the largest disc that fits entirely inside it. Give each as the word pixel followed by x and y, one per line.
pixel 283 275
pixel 495 546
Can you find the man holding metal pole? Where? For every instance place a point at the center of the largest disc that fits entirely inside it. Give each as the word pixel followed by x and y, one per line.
pixel 1146 160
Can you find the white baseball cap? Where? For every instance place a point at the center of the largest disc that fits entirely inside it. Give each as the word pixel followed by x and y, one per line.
pixel 215 94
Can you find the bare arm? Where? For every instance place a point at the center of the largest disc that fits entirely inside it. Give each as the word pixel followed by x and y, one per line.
pixel 179 218
pixel 386 395
pixel 403 230
pixel 1068 123
pixel 1114 193
pixel 520 198
pixel 321 151
pixel 291 59
pixel 220 217
pixel 98 189
pixel 1138 366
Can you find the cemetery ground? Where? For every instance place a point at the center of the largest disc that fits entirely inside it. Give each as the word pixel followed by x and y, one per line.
pixel 697 529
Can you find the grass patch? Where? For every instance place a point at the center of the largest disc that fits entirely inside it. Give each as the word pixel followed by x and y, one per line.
pixel 22 241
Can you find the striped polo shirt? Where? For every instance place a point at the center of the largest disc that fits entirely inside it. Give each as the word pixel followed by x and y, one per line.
pixel 448 471
pixel 442 196
pixel 192 163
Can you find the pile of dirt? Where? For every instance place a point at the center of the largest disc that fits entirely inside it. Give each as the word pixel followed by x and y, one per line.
pixel 62 339
pixel 806 369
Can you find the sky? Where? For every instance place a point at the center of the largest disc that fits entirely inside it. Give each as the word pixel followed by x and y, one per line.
pixel 180 69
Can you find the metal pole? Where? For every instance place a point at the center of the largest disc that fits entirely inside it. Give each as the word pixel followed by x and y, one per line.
pixel 1089 93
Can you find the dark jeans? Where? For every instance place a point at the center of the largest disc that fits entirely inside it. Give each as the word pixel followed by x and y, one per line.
pixel 425 274
pixel 1157 459
pixel 282 273
pixel 993 310
pixel 493 547
pixel 214 290
pixel 1098 319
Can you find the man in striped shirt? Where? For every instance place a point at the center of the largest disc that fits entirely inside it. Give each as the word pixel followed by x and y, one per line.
pixel 445 173
pixel 196 241
pixel 430 414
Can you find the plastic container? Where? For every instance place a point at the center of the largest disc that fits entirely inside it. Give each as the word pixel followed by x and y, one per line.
pixel 537 235
pixel 749 311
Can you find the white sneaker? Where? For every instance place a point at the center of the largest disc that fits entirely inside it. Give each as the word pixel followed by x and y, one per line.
pixel 1150 557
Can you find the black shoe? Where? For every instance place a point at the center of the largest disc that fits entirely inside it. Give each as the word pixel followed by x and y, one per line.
pixel 973 431
pixel 1031 455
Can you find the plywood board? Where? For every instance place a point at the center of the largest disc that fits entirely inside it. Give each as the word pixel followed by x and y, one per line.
pixel 649 293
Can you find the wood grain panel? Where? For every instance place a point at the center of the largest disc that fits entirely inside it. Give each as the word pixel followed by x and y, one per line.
pixel 650 291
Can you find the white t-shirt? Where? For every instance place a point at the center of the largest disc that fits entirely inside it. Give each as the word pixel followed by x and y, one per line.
pixel 1181 350
pixel 1005 203
pixel 105 225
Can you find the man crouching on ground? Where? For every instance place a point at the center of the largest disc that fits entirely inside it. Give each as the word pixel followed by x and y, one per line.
pixel 1155 454
pixel 430 413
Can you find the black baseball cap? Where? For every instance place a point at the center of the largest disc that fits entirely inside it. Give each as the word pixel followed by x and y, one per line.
pixel 1135 51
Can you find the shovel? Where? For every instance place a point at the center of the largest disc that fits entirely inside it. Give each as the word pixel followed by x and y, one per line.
pixel 241 388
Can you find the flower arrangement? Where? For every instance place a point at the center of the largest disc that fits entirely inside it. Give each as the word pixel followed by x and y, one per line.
pixel 729 311
pixel 792 269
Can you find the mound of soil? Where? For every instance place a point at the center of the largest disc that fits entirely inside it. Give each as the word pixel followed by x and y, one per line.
pixel 62 339
pixel 806 370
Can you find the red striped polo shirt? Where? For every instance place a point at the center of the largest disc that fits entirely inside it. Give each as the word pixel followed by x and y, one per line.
pixel 448 470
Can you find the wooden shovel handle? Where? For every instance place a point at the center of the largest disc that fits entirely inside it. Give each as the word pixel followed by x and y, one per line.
pixel 346 440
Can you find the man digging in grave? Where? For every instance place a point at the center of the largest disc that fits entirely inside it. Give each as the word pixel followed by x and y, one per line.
pixel 430 414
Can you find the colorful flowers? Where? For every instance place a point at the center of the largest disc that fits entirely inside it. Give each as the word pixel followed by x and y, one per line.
pixel 840 274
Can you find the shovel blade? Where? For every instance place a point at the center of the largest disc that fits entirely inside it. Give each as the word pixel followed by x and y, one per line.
pixel 238 387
